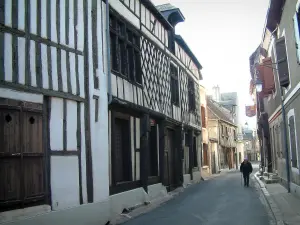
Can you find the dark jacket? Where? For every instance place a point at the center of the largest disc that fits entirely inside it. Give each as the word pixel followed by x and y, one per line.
pixel 246 167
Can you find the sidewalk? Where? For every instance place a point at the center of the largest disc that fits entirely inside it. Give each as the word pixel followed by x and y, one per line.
pixel 284 206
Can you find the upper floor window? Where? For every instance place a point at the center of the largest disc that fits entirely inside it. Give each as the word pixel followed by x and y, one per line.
pixel 125 50
pixel 191 93
pixel 297 34
pixel 174 85
pixel 203 116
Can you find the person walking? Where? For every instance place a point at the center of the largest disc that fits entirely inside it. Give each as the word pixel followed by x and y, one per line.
pixel 246 169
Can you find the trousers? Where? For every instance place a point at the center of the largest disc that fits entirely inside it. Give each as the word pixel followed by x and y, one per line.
pixel 246 179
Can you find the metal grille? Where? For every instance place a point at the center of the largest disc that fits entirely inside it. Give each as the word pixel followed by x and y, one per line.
pixel 156 78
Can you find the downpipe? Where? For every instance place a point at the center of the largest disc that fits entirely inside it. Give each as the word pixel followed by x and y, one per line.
pixel 108 53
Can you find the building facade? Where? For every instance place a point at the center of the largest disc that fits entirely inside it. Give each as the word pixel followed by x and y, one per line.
pixel 90 128
pixel 54 146
pixel 206 153
pixel 222 133
pixel 280 83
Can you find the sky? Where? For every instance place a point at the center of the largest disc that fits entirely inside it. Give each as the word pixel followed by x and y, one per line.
pixel 223 34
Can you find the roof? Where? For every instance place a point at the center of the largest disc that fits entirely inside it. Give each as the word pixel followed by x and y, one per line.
pixel 218 112
pixel 183 44
pixel 165 7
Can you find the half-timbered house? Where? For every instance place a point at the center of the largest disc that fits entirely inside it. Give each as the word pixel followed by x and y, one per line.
pixel 62 145
pixel 53 112
pixel 154 118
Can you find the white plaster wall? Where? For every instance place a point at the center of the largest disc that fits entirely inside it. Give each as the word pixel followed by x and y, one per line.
pixel 157 191
pixel 240 149
pixel 132 144
pixel 119 7
pixel 83 156
pixel 99 129
pixel 196 176
pixel 56 124
pixel 127 199
pixel 71 125
pixel 99 140
pixel 186 179
pixel 22 96
pixel 295 189
pixel 20 214
pixel 91 214
pixel 64 182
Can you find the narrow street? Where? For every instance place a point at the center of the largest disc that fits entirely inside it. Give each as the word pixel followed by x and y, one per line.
pixel 221 200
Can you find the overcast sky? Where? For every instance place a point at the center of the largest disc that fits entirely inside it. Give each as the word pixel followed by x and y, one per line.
pixel 223 34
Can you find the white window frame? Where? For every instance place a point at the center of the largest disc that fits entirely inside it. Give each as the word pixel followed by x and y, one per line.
pixel 290 114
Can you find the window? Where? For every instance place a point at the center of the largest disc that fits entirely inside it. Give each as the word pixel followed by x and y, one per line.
pixel 297 34
pixel 282 63
pixel 174 85
pixel 191 93
pixel 234 134
pixel 203 116
pixel 293 145
pixel 125 50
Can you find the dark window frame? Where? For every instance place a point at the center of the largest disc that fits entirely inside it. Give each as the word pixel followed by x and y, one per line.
pixel 174 74
pixel 191 95
pixel 125 49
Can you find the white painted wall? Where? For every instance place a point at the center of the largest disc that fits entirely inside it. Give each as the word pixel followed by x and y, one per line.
pixel 71 125
pixel 19 95
pixel 64 182
pixel 56 124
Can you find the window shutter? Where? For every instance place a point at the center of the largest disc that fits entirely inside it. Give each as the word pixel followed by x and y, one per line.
pixel 293 149
pixel 283 68
pixel 268 76
pixel 297 36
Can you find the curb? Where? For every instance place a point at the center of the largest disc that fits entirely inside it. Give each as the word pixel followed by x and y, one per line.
pixel 272 205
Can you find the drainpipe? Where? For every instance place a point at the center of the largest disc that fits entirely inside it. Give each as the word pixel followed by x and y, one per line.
pixel 108 53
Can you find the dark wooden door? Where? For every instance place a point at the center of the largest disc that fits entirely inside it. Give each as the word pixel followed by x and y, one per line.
pixel 21 155
pixel 169 160
pixel 122 151
pixel 213 162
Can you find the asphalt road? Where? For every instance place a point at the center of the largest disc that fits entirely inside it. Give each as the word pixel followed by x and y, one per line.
pixel 218 201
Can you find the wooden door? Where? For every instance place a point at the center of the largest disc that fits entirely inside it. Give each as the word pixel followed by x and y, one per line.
pixel 122 151
pixel 169 160
pixel 213 162
pixel 21 155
